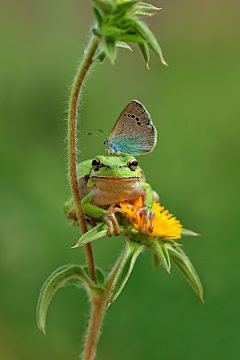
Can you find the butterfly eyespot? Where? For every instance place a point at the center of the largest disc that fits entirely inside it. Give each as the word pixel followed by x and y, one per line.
pixel 137 119
pixel 133 116
pixel 133 164
pixel 96 164
pixel 129 115
pixel 125 114
pixel 139 123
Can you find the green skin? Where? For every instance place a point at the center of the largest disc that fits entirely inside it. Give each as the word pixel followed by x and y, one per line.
pixel 104 186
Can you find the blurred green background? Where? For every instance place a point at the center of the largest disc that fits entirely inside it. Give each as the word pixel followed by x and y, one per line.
pixel 194 104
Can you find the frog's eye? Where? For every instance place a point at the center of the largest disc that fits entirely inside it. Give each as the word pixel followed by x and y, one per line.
pixel 96 164
pixel 133 164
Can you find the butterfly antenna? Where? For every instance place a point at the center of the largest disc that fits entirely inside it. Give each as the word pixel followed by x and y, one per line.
pixel 96 135
pixel 103 133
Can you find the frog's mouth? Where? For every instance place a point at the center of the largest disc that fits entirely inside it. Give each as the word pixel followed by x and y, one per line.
pixel 122 178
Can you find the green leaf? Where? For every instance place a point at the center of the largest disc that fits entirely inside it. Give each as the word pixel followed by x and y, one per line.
pixel 99 55
pixel 155 261
pixel 131 252
pixel 123 45
pixel 95 233
pixel 110 49
pixel 186 232
pixel 146 34
pixel 162 254
pixel 98 16
pixel 54 282
pixel 99 275
pixel 145 53
pixel 131 38
pixel 147 7
pixel 184 265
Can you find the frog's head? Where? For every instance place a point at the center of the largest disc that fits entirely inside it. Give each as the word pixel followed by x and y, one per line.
pixel 114 167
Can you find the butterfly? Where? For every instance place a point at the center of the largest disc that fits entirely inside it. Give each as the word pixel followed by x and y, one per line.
pixel 133 133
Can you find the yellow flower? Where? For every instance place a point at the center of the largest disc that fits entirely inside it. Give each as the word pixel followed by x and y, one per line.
pixel 164 224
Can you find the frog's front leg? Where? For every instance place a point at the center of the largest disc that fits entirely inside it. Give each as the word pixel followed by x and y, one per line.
pixel 146 209
pixel 107 216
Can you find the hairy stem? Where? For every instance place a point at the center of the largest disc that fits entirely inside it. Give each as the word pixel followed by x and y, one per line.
pixel 72 151
pixel 97 314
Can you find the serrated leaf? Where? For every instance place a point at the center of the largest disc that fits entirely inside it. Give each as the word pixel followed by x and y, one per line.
pixel 98 16
pixel 185 266
pixel 131 252
pixel 147 7
pixel 131 38
pixel 186 232
pixel 95 233
pixel 54 282
pixel 162 254
pixel 146 34
pixel 155 261
pixel 145 53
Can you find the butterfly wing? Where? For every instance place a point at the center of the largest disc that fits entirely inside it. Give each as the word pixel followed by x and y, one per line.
pixel 134 132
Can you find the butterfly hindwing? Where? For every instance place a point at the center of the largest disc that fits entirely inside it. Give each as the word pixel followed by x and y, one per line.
pixel 133 132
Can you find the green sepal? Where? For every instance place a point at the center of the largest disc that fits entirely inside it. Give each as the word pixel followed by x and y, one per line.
pixel 98 16
pixel 112 32
pixel 127 23
pixel 147 7
pixel 162 253
pixel 105 6
pixel 127 5
pixel 185 266
pixel 145 53
pixel 123 45
pixel 142 14
pixel 146 34
pixel 186 232
pixel 130 254
pixel 110 49
pixel 155 261
pixel 131 38
pixel 57 280
pixel 95 233
pixel 101 55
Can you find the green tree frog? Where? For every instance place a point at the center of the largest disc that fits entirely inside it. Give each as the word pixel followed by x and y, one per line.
pixel 103 183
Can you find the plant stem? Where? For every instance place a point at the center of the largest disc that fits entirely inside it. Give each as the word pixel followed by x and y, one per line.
pixel 72 158
pixel 97 313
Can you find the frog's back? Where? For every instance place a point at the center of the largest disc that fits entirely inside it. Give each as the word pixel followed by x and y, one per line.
pixel 84 168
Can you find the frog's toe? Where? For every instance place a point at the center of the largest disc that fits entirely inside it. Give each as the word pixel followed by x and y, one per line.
pixel 111 220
